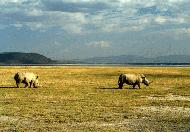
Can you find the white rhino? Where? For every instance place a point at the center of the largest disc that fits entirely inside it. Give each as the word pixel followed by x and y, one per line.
pixel 132 79
pixel 26 78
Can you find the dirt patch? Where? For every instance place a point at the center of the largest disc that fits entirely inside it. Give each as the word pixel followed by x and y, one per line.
pixel 165 110
pixel 4 118
pixel 100 125
pixel 137 124
pixel 170 97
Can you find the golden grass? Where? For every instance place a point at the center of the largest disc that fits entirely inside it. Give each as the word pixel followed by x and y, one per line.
pixel 76 98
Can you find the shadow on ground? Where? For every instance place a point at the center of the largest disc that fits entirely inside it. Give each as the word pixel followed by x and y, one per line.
pixel 117 88
pixel 107 88
pixel 8 87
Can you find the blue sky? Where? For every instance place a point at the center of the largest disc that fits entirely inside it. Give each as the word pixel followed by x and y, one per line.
pixel 67 29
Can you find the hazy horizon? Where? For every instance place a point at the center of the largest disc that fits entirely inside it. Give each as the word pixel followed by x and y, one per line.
pixel 71 29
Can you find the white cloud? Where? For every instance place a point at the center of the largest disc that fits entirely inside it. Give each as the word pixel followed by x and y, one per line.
pixel 71 22
pixel 122 16
pixel 180 31
pixel 73 28
pixel 34 12
pixel 176 1
pixel 99 44
pixel 179 20
pixel 175 33
pixel 176 20
pixel 160 19
pixel 35 26
pixel 11 1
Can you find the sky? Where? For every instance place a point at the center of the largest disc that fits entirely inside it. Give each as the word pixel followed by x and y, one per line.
pixel 77 29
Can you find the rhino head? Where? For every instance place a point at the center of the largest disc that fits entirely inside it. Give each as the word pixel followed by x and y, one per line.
pixel 145 80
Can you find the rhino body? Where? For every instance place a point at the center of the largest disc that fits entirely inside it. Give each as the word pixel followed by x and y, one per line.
pixel 27 78
pixel 132 79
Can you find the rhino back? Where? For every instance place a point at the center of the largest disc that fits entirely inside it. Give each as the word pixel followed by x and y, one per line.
pixel 30 76
pixel 133 78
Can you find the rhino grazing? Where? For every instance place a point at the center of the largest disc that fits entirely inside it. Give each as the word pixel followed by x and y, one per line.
pixel 26 78
pixel 132 79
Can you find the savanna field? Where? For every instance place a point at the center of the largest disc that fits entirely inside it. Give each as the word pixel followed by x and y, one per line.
pixel 87 98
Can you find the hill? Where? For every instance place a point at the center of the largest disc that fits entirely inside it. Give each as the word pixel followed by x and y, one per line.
pixel 34 58
pixel 24 58
pixel 132 59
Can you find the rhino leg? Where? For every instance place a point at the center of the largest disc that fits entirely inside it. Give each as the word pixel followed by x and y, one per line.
pixel 26 85
pixel 120 85
pixel 139 86
pixel 17 84
pixel 25 82
pixel 34 85
pixel 31 84
pixel 134 85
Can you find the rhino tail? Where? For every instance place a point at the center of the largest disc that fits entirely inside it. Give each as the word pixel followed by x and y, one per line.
pixel 150 82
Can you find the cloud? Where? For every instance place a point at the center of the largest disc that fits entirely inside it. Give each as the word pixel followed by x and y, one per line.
pixel 11 1
pixel 74 6
pixel 176 32
pixel 99 44
pixel 90 16
pixel 35 12
pixel 149 10
pixel 160 19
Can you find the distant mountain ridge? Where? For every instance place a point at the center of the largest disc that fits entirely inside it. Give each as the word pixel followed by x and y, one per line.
pixel 24 58
pixel 35 58
pixel 124 59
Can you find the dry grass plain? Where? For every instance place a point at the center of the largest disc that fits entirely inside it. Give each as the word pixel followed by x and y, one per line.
pixel 86 98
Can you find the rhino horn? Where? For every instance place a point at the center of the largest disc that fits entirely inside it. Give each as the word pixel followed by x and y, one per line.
pixel 150 82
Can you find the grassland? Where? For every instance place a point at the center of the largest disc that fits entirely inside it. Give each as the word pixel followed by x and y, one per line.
pixel 87 99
